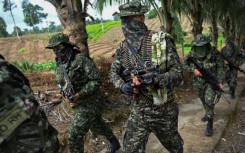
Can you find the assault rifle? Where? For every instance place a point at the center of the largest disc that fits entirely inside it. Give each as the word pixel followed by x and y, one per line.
pixel 145 75
pixel 67 90
pixel 232 65
pixel 208 77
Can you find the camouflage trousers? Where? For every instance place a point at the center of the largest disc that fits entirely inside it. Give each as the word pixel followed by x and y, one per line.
pixel 144 120
pixel 231 78
pixel 86 119
pixel 207 96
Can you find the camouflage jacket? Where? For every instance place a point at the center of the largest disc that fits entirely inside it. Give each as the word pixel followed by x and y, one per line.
pixel 213 62
pixel 230 51
pixel 158 48
pixel 24 127
pixel 84 77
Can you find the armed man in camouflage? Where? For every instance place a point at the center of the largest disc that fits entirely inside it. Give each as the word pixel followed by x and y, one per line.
pixel 84 78
pixel 230 55
pixel 210 59
pixel 152 104
pixel 23 126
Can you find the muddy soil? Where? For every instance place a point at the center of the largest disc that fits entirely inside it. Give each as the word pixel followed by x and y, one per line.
pixel 234 139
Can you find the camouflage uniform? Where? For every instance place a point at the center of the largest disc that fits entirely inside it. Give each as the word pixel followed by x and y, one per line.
pixel 145 116
pixel 212 61
pixel 85 78
pixel 231 51
pixel 23 126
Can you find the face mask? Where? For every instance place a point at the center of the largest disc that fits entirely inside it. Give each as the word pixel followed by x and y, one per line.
pixel 200 51
pixel 59 53
pixel 63 55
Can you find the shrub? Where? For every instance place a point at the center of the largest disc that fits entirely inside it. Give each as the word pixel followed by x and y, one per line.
pixel 151 14
pixel 25 66
pixel 187 45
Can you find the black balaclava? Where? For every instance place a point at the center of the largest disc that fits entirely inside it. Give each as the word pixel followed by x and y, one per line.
pixel 134 31
pixel 63 56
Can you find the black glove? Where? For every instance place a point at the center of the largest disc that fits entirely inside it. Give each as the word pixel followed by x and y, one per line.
pixel 127 89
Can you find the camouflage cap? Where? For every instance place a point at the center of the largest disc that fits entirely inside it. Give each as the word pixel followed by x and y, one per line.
pixel 57 39
pixel 131 8
pixel 200 40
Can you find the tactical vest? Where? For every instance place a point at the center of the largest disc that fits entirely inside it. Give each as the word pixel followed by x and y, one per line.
pixel 153 50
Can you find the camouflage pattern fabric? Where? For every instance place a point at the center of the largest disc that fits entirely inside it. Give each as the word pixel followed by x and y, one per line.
pixel 85 79
pixel 214 63
pixel 143 118
pixel 57 39
pixel 134 31
pixel 231 51
pixel 24 127
pixel 231 79
pixel 131 8
pixel 199 46
pixel 200 40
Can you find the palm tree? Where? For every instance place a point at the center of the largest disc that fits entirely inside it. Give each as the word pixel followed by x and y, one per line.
pixel 72 14
pixel 164 11
pixel 9 6
pixel 194 11
pixel 231 19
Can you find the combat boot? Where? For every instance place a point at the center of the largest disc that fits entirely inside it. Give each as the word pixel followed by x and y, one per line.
pixel 204 118
pixel 114 145
pixel 209 130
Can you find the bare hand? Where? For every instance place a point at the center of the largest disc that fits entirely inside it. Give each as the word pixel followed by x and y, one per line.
pixel 197 73
pixel 69 102
pixel 135 80
pixel 221 85
pixel 226 62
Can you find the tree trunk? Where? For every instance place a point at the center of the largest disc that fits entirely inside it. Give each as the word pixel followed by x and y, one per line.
pixel 168 19
pixel 226 26
pixel 15 27
pixel 196 14
pixel 238 38
pixel 214 33
pixel 72 17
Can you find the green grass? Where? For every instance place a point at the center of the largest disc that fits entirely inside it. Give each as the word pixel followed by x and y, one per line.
pixel 26 66
pixel 95 31
pixel 42 35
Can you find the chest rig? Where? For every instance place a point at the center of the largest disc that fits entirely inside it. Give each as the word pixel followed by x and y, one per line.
pixel 153 51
